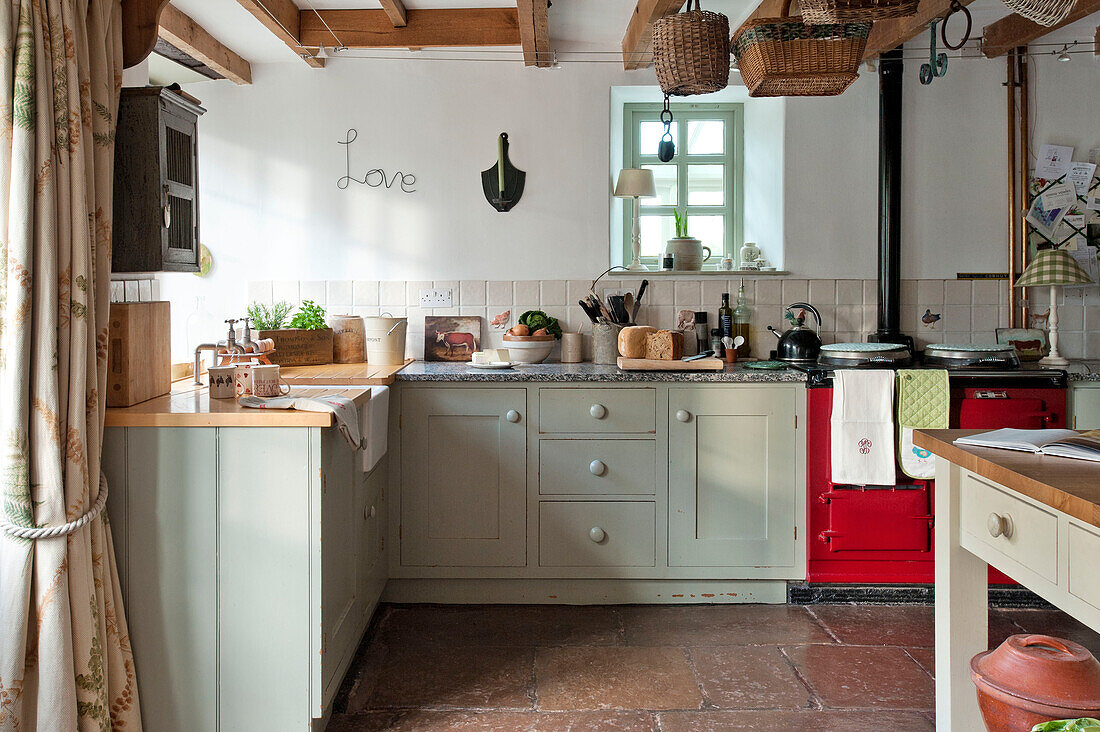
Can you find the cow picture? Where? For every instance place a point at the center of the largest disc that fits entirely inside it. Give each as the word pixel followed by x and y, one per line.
pixel 451 338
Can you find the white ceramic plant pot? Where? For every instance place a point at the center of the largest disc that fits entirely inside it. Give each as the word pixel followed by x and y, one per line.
pixel 688 253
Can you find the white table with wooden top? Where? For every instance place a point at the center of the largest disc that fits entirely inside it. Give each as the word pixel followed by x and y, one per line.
pixel 1034 517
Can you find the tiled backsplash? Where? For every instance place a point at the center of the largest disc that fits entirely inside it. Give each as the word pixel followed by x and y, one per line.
pixel 969 311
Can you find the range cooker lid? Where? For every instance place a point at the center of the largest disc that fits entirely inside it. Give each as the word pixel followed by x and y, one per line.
pixel 863 354
pixel 992 355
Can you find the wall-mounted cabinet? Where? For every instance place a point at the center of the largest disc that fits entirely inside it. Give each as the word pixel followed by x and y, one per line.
pixel 156 198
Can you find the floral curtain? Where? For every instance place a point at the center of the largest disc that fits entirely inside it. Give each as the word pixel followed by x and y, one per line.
pixel 65 659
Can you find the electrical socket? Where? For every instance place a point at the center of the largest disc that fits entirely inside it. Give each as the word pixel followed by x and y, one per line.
pixel 436 298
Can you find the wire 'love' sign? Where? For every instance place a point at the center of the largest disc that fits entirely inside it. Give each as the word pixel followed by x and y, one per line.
pixel 375 177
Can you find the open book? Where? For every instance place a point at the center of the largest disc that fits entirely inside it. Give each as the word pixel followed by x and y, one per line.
pixel 1059 443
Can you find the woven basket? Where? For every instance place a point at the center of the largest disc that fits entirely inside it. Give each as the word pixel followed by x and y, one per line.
pixel 843 11
pixel 1043 12
pixel 784 57
pixel 691 52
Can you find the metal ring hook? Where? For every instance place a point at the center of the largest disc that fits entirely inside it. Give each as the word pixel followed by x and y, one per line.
pixel 956 7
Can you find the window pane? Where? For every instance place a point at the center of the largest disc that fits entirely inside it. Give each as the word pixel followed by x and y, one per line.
pixel 706 137
pixel 706 185
pixel 649 135
pixel 664 177
pixel 711 230
pixel 656 230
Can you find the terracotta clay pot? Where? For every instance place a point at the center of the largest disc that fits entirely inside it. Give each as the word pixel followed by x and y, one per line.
pixel 1035 678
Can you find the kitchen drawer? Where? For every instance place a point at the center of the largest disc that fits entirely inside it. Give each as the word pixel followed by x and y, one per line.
pixel 597 410
pixel 1084 558
pixel 597 467
pixel 597 534
pixel 1026 533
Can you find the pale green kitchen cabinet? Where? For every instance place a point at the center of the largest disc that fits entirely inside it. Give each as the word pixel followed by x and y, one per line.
pixel 464 477
pixel 1085 407
pixel 734 476
pixel 251 561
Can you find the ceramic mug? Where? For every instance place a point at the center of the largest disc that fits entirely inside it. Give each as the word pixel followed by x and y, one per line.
pixel 243 379
pixel 223 382
pixel 266 381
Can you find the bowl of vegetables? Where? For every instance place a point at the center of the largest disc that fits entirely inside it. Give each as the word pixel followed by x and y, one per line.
pixel 532 338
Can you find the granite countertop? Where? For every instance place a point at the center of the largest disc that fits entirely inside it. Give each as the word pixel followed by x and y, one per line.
pixel 574 372
pixel 1083 371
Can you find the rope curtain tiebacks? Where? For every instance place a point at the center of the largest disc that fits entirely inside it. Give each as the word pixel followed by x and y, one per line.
pixel 53 532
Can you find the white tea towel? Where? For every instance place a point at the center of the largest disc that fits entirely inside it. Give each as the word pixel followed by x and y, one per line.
pixel 347 419
pixel 377 431
pixel 862 427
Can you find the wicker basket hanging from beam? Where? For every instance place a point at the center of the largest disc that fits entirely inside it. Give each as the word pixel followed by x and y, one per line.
pixel 784 57
pixel 1044 12
pixel 691 52
pixel 844 11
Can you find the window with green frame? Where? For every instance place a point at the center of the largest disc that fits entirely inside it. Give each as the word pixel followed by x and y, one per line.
pixel 703 182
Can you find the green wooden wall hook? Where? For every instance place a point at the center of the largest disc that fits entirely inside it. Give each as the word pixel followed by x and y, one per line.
pixel 937 63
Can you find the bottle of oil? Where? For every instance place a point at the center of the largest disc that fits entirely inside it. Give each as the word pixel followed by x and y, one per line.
pixel 725 320
pixel 742 319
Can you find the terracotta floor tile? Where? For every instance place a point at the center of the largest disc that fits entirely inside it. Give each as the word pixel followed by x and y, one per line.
pixel 720 625
pixel 826 721
pixel 879 625
pixel 418 676
pixel 1001 626
pixel 926 657
pixel 748 677
pixel 1058 624
pixel 853 677
pixel 571 678
pixel 421 720
pixel 501 625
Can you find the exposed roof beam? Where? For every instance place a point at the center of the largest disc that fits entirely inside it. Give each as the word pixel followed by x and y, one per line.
pixel 1015 30
pixel 892 32
pixel 186 35
pixel 395 9
pixel 534 33
pixel 425 29
pixel 139 29
pixel 281 17
pixel 638 41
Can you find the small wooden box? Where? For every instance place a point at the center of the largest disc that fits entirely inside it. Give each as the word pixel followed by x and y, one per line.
pixel 139 352
pixel 299 347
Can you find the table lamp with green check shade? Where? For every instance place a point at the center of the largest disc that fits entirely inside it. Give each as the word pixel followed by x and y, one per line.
pixel 1053 267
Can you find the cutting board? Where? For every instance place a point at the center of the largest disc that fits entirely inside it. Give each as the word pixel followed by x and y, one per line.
pixel 139 352
pixel 655 364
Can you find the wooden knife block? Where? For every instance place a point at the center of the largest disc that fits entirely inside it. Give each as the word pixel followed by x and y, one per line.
pixel 139 352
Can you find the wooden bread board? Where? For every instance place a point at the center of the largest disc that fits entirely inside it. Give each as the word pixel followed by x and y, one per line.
pixel 654 364
pixel 139 352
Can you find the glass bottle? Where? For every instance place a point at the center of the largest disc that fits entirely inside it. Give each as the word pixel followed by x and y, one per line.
pixel 725 320
pixel 742 321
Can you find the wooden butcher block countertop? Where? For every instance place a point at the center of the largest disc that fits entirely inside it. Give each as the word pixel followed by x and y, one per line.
pixel 190 405
pixel 342 374
pixel 1067 485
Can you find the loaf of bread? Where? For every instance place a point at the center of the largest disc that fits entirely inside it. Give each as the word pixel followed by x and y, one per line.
pixel 665 345
pixel 632 340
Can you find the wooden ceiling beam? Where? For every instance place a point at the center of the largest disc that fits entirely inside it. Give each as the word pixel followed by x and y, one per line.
pixel 892 32
pixel 638 40
pixel 282 18
pixel 139 29
pixel 395 9
pixel 426 28
pixel 1015 30
pixel 534 33
pixel 184 34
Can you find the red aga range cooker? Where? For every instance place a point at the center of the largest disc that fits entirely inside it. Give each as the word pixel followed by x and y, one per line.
pixel 883 534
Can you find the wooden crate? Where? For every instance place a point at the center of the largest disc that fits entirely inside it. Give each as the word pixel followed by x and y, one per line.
pixel 298 347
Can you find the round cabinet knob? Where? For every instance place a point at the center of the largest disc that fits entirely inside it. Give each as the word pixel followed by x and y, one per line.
pixel 512 416
pixel 683 415
pixel 598 411
pixel 597 467
pixel 369 512
pixel 999 525
pixel 597 534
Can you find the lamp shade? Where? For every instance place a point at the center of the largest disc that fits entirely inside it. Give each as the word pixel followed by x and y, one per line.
pixel 635 182
pixel 1053 267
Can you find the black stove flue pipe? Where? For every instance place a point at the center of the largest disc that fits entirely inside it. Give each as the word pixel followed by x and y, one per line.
pixel 889 201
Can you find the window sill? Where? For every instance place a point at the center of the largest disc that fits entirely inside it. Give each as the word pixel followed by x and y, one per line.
pixel 619 273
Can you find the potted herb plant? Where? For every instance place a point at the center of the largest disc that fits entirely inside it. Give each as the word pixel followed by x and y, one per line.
pixel 688 250
pixel 305 341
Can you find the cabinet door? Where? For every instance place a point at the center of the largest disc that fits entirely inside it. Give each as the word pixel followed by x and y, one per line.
pixel 179 169
pixel 732 476
pixel 1086 407
pixel 464 477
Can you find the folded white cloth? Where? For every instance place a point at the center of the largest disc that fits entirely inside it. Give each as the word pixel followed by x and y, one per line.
pixel 862 427
pixel 347 418
pixel 377 429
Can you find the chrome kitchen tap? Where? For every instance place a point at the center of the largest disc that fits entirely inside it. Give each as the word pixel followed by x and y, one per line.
pixel 229 344
pixel 249 345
